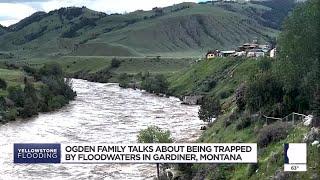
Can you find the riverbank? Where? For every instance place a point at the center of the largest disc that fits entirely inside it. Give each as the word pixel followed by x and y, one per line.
pixel 128 72
pixel 103 114
pixel 228 80
pixel 25 91
pixel 235 83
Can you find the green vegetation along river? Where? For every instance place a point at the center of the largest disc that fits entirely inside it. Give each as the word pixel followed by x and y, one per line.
pixel 101 113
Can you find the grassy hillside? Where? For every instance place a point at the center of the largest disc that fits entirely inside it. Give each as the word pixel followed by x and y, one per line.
pixel 195 29
pixel 12 78
pixel 186 29
pixel 270 158
pixel 2 30
pixel 248 90
pixel 278 13
pixel 220 78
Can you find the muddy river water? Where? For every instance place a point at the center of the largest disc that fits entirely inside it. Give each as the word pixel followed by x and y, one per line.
pixel 101 113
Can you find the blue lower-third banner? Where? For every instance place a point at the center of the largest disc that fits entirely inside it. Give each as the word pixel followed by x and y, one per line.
pixel 37 153
pixel 136 153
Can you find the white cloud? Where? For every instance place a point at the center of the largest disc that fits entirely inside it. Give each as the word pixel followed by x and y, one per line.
pixel 14 12
pixel 8 22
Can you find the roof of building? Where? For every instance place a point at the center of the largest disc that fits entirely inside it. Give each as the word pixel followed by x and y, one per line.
pixel 213 52
pixel 228 52
pixel 256 50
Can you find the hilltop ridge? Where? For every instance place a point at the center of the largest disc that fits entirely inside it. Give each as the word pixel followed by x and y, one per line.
pixel 186 29
pixel 2 29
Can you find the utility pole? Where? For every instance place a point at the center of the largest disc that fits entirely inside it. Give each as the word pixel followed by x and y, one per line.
pixel 158 171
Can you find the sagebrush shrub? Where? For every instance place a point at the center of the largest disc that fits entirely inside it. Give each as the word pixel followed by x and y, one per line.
pixel 273 133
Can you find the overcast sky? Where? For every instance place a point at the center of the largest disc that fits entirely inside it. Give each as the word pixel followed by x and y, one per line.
pixel 12 11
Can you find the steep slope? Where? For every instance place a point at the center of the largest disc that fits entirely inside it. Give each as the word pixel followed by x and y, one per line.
pixel 2 30
pixel 220 79
pixel 213 77
pixel 279 11
pixel 180 30
pixel 197 29
pixel 50 30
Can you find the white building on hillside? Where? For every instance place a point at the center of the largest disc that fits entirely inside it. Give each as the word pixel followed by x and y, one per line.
pixel 273 52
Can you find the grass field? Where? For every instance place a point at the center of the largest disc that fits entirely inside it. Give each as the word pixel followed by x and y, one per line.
pixel 129 65
pixel 12 77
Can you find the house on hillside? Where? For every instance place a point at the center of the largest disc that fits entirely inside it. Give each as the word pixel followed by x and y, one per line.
pixel 227 53
pixel 273 52
pixel 250 50
pixel 253 49
pixel 240 54
pixel 218 53
pixel 247 47
pixel 213 54
pixel 256 53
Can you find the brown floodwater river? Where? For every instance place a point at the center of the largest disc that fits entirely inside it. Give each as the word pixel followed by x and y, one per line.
pixel 101 113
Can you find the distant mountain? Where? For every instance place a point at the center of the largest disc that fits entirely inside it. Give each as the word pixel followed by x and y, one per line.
pixel 180 30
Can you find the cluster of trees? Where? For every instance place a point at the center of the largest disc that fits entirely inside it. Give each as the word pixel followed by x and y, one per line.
pixel 35 17
pixel 50 91
pixel 180 8
pixel 273 132
pixel 72 31
pixel 292 82
pixel 3 84
pixel 210 108
pixel 277 13
pixel 104 75
pixel 35 35
pixel 70 12
pixel 316 108
pixel 155 83
pixel 3 30
pixel 124 79
pixel 154 134
pixel 207 85
pixel 6 55
pixel 158 12
pixel 115 63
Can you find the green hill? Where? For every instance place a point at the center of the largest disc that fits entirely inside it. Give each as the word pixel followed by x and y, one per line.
pixel 221 79
pixel 213 77
pixel 186 29
pixel 2 30
pixel 250 91
pixel 279 11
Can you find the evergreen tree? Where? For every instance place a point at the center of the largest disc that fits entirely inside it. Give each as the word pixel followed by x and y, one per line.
pixel 31 101
pixel 209 109
pixel 16 94
pixel 316 108
pixel 3 84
